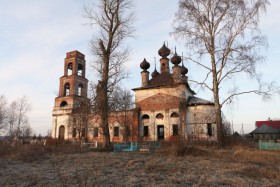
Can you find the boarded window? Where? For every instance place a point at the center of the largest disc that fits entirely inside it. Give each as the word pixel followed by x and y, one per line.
pixel 175 130
pixel 95 132
pixel 116 131
pixel 146 131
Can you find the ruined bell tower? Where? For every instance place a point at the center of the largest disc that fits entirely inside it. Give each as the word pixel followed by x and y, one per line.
pixel 72 93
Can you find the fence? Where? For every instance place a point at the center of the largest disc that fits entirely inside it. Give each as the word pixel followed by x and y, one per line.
pixel 136 146
pixel 269 145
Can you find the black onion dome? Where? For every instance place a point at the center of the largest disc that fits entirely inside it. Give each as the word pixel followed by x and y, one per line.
pixel 184 70
pixel 164 51
pixel 176 59
pixel 155 73
pixel 144 65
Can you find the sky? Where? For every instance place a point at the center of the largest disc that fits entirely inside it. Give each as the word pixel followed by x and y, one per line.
pixel 35 36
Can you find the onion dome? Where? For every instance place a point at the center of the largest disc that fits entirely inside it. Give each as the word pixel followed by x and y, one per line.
pixel 164 51
pixel 155 73
pixel 184 70
pixel 144 65
pixel 176 59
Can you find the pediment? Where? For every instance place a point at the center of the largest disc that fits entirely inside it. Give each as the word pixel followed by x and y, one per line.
pixel 160 101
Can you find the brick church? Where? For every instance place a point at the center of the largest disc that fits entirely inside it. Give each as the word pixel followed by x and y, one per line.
pixel 165 105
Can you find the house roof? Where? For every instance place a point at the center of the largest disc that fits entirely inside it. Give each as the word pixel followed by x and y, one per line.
pixel 273 124
pixel 193 101
pixel 265 129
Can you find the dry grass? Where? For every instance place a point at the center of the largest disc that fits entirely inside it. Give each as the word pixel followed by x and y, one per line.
pixel 171 166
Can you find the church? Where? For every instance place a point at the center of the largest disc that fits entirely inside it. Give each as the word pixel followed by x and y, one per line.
pixel 165 105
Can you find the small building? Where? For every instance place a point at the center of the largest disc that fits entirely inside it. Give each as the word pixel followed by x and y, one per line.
pixel 166 106
pixel 266 130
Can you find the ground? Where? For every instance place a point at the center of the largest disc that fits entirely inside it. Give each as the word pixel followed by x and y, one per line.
pixel 197 166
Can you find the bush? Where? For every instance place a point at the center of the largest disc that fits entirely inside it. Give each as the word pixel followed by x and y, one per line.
pixel 31 152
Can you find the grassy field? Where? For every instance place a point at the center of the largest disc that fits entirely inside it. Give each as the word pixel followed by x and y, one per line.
pixel 169 166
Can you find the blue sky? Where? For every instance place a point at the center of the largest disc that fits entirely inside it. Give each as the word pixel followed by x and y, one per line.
pixel 36 34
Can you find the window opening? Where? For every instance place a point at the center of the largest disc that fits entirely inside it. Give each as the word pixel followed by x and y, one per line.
pixel 145 118
pixel 63 104
pixel 70 69
pixel 146 131
pixel 209 129
pixel 80 90
pixel 74 132
pixel 160 132
pixel 66 89
pixel 80 69
pixel 95 132
pixel 159 116
pixel 116 131
pixel 174 115
pixel 175 130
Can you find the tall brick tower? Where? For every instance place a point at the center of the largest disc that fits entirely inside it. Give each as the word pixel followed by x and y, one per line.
pixel 72 93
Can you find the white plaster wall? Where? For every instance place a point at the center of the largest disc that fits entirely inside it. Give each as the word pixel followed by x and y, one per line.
pixel 197 118
pixel 57 122
pixel 153 122
pixel 54 127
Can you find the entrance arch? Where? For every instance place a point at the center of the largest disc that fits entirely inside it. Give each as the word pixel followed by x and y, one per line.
pixel 61 132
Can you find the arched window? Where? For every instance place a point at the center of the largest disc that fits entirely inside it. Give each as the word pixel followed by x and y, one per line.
pixel 145 118
pixel 159 116
pixel 63 104
pixel 80 90
pixel 174 115
pixel 80 69
pixel 70 69
pixel 66 89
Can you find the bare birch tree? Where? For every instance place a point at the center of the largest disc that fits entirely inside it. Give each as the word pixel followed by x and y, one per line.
pixel 226 35
pixel 17 119
pixel 113 20
pixel 3 111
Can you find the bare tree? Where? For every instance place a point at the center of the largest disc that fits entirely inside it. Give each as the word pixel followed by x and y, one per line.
pixel 225 33
pixel 80 123
pixel 120 99
pixel 113 20
pixel 17 119
pixel 3 111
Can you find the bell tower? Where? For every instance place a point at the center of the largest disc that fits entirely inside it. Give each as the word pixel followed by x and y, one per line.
pixel 72 93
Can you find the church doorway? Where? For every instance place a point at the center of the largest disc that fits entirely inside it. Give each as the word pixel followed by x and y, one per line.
pixel 61 132
pixel 160 132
